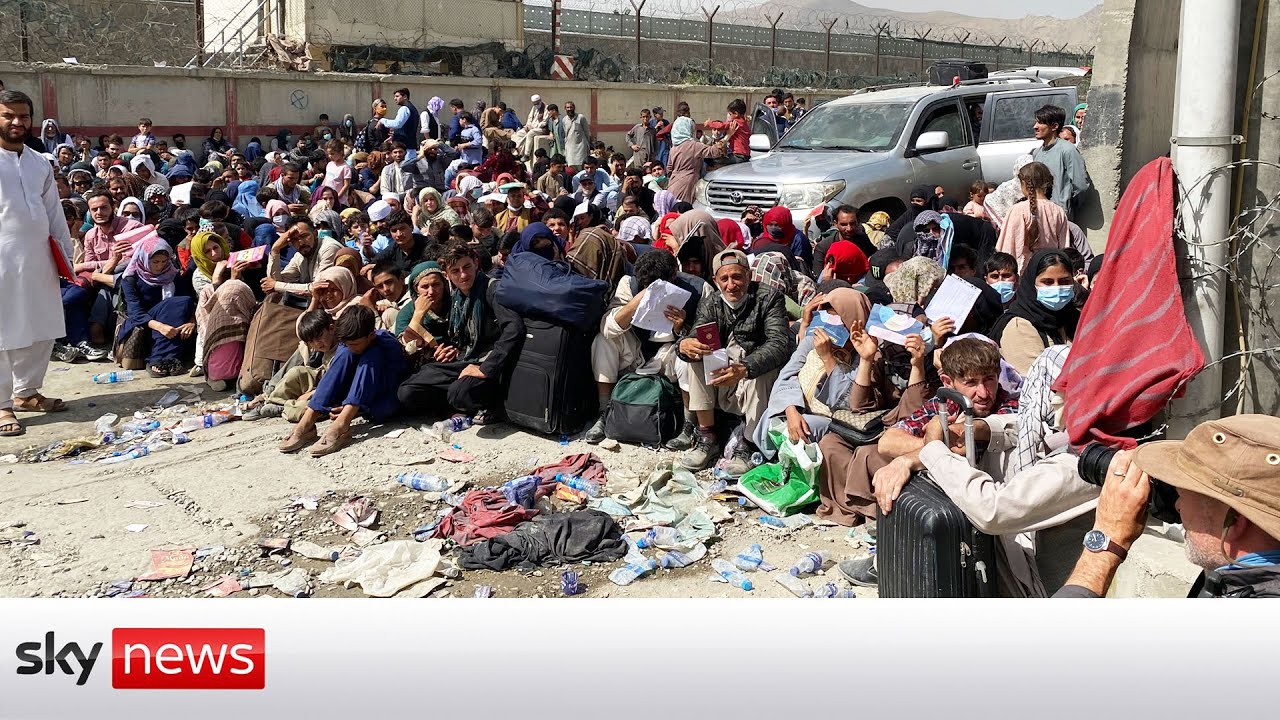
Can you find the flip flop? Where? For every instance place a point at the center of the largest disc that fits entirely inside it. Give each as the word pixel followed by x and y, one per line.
pixel 290 444
pixel 9 420
pixel 45 405
pixel 327 445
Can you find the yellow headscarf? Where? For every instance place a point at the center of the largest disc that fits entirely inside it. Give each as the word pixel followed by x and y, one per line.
pixel 198 243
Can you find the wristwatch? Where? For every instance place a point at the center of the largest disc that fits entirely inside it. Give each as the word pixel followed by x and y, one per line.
pixel 1097 541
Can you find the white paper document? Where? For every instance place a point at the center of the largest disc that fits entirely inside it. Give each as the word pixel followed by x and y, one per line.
pixel 658 296
pixel 954 299
pixel 713 362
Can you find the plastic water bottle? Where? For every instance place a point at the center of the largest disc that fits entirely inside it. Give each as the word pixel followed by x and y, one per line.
pixel 452 499
pixel 727 571
pixel 749 560
pixel 426 483
pixel 140 426
pixel 659 537
pixel 483 591
pixel 772 521
pixel 569 583
pixel 757 459
pixel 720 485
pixel 798 587
pixel 676 559
pixel 831 591
pixel 590 487
pixel 135 453
pixel 199 422
pixel 631 572
pixel 564 439
pixel 722 478
pixel 810 563
pixel 308 549
pixel 447 427
pixel 108 378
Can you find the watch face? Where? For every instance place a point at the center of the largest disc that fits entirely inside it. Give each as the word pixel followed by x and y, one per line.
pixel 1096 541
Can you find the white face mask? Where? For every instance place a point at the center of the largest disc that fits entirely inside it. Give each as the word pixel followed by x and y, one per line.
pixel 280 220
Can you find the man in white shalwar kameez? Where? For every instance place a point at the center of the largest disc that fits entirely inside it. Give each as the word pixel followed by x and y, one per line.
pixel 30 213
pixel 577 135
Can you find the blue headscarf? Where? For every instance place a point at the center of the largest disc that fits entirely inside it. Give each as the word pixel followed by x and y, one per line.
pixel 532 233
pixel 246 202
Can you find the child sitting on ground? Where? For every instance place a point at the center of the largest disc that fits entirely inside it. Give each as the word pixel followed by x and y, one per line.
pixel 362 380
pixel 288 391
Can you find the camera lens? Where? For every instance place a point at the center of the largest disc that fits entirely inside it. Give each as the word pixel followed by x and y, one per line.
pixel 1094 462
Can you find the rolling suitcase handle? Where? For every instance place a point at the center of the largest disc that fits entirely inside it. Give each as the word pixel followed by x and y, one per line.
pixel 966 407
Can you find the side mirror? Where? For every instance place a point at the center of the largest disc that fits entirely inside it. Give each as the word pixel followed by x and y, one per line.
pixel 932 141
pixel 759 142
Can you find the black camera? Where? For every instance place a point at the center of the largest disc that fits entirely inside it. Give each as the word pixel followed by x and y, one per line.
pixel 1161 505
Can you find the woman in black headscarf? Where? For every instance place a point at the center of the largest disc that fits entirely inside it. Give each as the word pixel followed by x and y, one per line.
pixel 1042 313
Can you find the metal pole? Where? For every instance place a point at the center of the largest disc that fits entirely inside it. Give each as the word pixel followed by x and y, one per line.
pixel 555 26
pixel 1205 102
pixel 1031 53
pixel 999 49
pixel 882 31
pixel 921 39
pixel 23 38
pixel 963 40
pixel 638 8
pixel 773 42
pixel 711 24
pixel 828 27
pixel 199 32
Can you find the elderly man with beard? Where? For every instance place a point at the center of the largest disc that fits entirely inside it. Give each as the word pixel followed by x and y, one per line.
pixel 750 323
pixel 313 256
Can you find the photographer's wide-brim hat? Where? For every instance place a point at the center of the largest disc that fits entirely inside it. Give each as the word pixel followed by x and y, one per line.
pixel 1235 460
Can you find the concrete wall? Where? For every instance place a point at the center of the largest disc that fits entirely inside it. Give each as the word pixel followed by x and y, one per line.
pixel 413 23
pixel 103 99
pixel 1130 115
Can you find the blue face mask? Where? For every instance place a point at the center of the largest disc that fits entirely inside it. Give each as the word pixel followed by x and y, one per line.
pixel 1057 297
pixel 1005 288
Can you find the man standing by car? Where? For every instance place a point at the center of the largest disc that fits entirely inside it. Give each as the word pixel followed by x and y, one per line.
pixel 1062 158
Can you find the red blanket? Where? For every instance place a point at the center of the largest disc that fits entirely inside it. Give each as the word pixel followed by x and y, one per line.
pixel 483 514
pixel 1133 350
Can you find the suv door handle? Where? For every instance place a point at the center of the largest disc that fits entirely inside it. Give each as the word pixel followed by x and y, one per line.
pixel 969 164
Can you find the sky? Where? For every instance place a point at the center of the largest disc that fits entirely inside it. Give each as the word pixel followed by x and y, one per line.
pixel 990 8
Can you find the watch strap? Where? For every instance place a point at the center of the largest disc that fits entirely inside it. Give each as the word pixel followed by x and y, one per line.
pixel 1116 549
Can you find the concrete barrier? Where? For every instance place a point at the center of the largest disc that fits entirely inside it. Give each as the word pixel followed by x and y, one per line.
pixel 101 99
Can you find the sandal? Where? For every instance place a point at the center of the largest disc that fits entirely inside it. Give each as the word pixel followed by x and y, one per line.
pixel 9 425
pixel 327 445
pixel 43 404
pixel 291 444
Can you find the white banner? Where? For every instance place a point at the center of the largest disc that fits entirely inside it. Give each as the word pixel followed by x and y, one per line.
pixel 620 658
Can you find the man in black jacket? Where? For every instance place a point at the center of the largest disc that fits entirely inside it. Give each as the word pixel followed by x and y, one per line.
pixel 1227 473
pixel 750 324
pixel 467 370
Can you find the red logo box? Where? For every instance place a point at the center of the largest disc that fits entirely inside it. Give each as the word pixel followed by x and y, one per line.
pixel 188 658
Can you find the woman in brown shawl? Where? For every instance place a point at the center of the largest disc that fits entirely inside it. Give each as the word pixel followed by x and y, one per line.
pixel 847 469
pixel 697 239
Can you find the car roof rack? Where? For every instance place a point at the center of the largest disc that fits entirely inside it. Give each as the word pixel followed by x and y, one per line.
pixel 1002 80
pixel 892 86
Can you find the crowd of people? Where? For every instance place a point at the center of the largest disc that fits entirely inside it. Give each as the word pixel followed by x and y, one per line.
pixel 387 241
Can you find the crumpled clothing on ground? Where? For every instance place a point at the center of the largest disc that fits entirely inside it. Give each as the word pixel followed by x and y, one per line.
pixel 571 537
pixel 481 515
pixel 383 570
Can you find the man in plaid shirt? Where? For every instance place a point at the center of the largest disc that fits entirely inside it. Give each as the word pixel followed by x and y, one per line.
pixel 970 366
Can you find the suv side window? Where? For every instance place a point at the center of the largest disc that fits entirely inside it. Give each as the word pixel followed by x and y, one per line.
pixel 1014 115
pixel 946 118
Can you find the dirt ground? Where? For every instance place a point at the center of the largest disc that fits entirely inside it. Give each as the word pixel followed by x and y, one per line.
pixel 228 488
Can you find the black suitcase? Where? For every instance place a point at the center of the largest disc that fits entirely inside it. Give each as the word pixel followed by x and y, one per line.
pixel 944 72
pixel 926 547
pixel 551 389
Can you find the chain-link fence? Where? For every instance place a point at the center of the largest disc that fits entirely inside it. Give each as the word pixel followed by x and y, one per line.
pixel 121 32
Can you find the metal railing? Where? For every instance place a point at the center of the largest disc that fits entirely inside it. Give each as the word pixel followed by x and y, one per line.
pixel 241 41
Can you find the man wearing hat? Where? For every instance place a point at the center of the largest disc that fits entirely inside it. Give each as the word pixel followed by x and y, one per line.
pixel 750 324
pixel 517 214
pixel 1227 473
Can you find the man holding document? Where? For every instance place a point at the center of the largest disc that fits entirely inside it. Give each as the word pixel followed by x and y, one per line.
pixel 741 340
pixel 650 311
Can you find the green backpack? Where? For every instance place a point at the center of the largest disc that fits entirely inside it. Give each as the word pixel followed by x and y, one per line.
pixel 644 410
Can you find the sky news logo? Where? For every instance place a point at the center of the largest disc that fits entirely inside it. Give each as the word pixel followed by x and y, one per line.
pixel 158 658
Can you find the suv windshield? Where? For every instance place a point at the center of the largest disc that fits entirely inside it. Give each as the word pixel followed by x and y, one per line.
pixel 865 126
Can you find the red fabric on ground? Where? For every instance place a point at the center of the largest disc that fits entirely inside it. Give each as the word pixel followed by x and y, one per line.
pixel 1133 349
pixel 483 514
